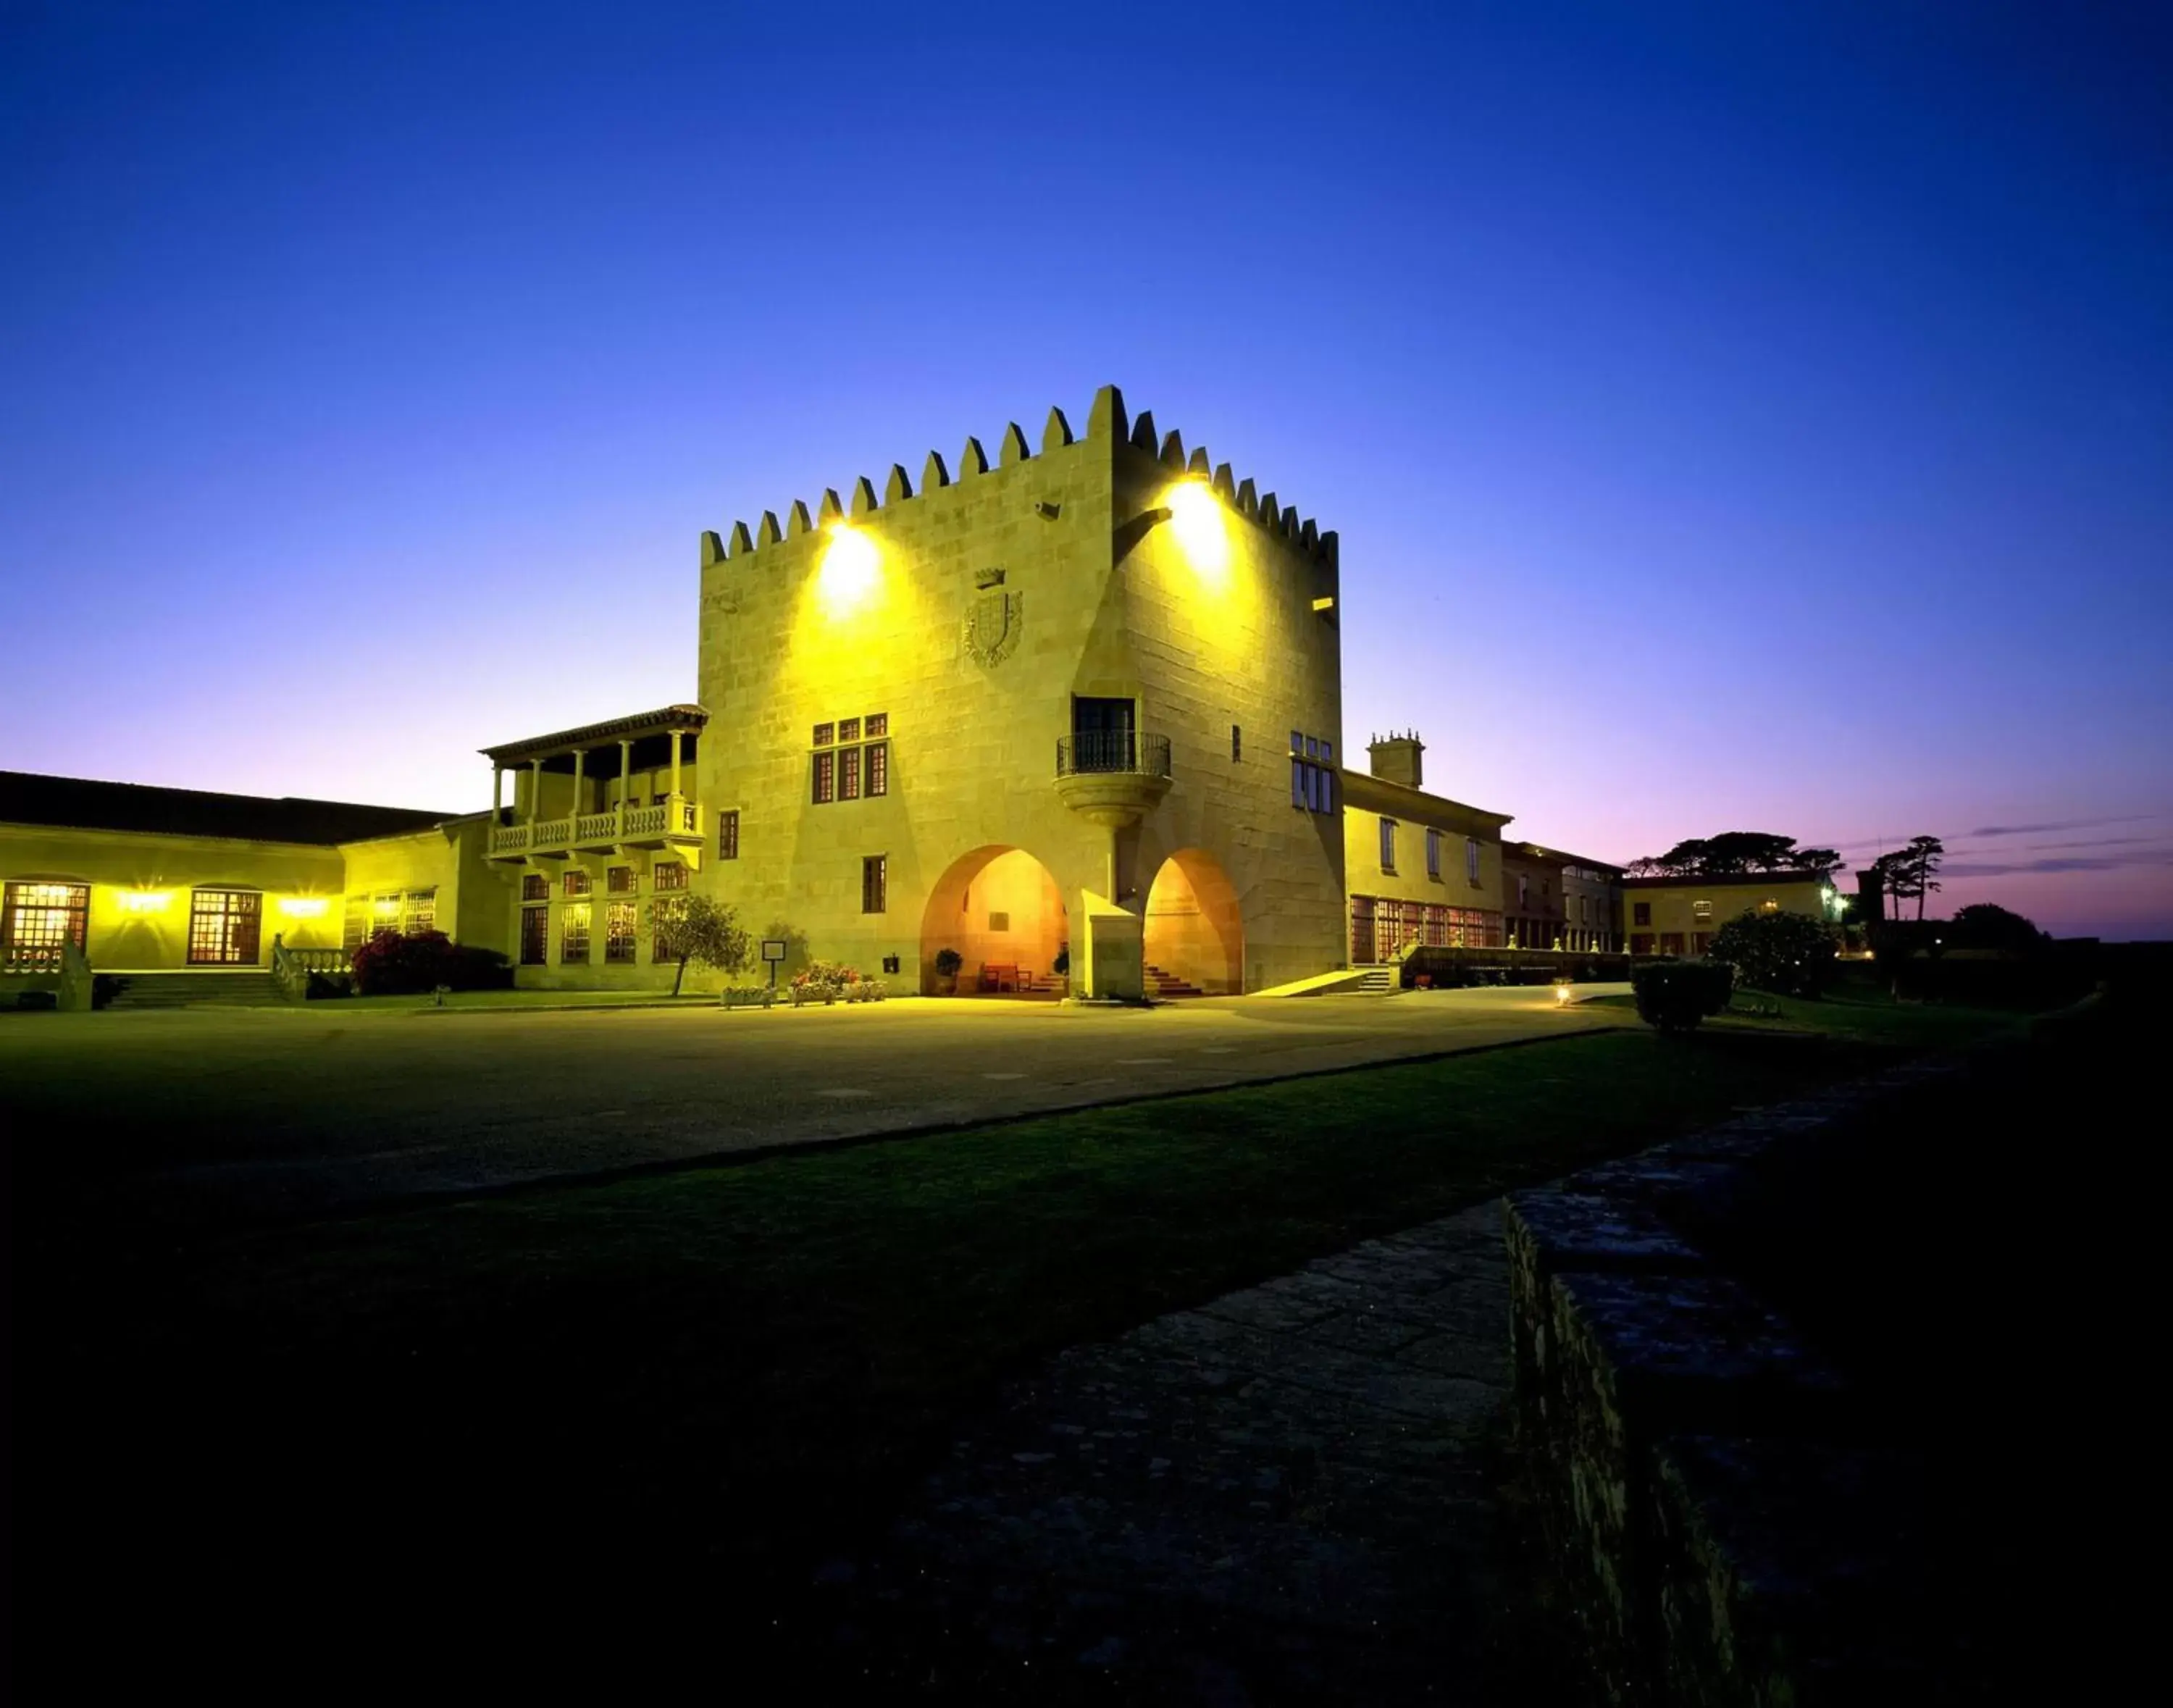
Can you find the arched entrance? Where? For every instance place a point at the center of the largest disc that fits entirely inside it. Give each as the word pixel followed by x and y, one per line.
pixel 1196 933
pixel 1000 909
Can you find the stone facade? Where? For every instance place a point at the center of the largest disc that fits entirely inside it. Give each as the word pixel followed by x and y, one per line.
pixel 1679 916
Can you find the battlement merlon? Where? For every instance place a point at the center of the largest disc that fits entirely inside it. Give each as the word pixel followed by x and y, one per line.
pixel 1107 423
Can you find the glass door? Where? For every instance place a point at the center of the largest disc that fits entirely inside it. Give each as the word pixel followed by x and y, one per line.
pixel 225 927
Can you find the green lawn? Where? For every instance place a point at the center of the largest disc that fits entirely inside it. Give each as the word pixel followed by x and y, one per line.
pixel 1858 1010
pixel 512 999
pixel 727 1370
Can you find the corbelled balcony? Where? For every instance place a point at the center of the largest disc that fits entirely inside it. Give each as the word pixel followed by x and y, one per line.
pixel 566 803
pixel 1112 777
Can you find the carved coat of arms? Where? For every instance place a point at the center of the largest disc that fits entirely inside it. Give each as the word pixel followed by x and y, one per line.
pixel 992 626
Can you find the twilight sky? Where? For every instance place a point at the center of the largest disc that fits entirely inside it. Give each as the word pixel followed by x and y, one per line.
pixel 1735 415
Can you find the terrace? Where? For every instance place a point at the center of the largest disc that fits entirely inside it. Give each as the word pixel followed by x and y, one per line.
pixel 623 783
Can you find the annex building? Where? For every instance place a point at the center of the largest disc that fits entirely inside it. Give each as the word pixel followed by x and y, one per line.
pixel 1072 712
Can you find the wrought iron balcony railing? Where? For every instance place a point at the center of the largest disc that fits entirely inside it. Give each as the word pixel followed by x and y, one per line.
pixel 1101 752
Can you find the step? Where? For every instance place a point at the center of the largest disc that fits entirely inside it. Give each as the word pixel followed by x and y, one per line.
pixel 144 990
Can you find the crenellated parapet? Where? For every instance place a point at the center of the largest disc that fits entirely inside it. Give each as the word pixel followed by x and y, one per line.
pixel 1108 423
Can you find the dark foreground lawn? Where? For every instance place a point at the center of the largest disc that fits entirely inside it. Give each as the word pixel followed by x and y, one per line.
pixel 707 1380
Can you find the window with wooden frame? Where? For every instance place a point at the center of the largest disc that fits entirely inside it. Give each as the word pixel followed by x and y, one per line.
pixel 728 834
pixel 535 887
pixel 668 875
pixel 849 773
pixel 577 882
pixel 1471 858
pixel 355 923
pixel 619 926
pixel 38 918
pixel 535 934
pixel 225 927
pixel 619 880
pixel 878 724
pixel 825 778
pixel 878 768
pixel 849 729
pixel 1433 853
pixel 667 918
pixel 875 883
pixel 573 932
pixel 851 759
pixel 421 913
pixel 825 734
pixel 1388 845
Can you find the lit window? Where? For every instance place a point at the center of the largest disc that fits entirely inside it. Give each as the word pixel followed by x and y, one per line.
pixel 619 881
pixel 422 914
pixel 225 927
pixel 825 734
pixel 728 834
pixel 1388 845
pixel 849 729
pixel 670 917
pixel 849 774
pixel 878 766
pixel 875 884
pixel 618 931
pixel 826 776
pixel 667 874
pixel 573 932
pixel 38 918
pixel 1770 905
pixel 1433 854
pixel 577 882
pixel 1701 911
pixel 878 725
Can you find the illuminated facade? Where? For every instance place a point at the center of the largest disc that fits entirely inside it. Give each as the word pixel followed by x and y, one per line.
pixel 1422 868
pixel 1679 916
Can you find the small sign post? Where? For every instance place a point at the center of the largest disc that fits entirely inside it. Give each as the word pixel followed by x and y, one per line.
pixel 772 952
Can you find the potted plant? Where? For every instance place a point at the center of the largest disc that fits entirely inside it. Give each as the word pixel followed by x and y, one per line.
pixel 1061 969
pixel 947 963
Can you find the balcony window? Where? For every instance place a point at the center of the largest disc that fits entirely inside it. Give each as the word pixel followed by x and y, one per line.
pixel 573 932
pixel 577 883
pixel 667 874
pixel 619 881
pixel 728 834
pixel 535 887
pixel 618 931
pixel 875 884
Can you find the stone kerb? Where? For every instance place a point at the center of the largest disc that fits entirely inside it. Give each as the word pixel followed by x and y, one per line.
pixel 1698 1469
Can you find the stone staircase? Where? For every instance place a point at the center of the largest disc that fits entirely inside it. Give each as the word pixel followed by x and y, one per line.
pixel 1165 986
pixel 249 988
pixel 1379 981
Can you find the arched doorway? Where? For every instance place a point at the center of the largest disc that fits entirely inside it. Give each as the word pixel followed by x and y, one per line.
pixel 1000 909
pixel 1196 933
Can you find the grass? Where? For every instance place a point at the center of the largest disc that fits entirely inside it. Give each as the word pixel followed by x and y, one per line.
pixel 1857 1011
pixel 513 999
pixel 723 1373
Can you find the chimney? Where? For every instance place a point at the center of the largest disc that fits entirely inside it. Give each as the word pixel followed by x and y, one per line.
pixel 1396 759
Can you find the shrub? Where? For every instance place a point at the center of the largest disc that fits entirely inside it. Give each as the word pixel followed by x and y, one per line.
pixel 1061 966
pixel 1675 995
pixel 1788 954
pixel 392 965
pixel 947 962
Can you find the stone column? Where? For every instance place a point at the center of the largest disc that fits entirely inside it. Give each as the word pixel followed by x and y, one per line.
pixel 534 789
pixel 625 780
pixel 496 792
pixel 674 772
pixel 580 759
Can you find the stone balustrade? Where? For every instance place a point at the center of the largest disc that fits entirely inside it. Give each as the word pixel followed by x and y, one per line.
pixel 674 819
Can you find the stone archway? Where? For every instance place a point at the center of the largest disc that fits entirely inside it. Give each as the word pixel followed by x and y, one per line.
pixel 1000 909
pixel 1194 932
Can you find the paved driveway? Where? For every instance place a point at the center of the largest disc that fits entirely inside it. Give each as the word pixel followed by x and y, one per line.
pixel 209 1114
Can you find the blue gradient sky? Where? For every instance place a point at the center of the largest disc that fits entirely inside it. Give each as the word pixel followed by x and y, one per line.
pixel 1733 419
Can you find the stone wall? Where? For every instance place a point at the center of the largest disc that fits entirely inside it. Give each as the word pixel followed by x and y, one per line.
pixel 1730 1528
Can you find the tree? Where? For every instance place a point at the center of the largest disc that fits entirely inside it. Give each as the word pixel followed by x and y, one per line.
pixel 704 930
pixel 1987 926
pixel 1786 953
pixel 1736 854
pixel 1909 872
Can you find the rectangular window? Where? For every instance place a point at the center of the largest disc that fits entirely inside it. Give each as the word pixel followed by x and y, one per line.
pixel 1471 858
pixel 535 887
pixel 1388 845
pixel 38 918
pixel 1237 744
pixel 422 913
pixel 1641 912
pixel 875 884
pixel 1671 942
pixel 668 875
pixel 849 774
pixel 354 927
pixel 577 882
pixel 1524 893
pixel 669 916
pixel 573 932
pixel 878 725
pixel 1298 741
pixel 619 880
pixel 224 927
pixel 618 931
pixel 825 734
pixel 384 911
pixel 535 936
pixel 849 729
pixel 1433 854
pixel 1327 752
pixel 1297 783
pixel 1701 911
pixel 728 834
pixel 825 778
pixel 878 766
pixel 1311 748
